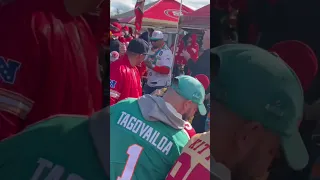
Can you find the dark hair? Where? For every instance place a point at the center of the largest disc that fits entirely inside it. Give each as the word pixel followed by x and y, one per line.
pixel 129 53
pixel 144 36
pixel 150 30
pixel 185 38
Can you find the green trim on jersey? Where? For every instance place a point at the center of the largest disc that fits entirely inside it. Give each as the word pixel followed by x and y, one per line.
pixel 156 56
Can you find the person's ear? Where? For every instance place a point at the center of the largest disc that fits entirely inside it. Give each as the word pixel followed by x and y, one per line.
pixel 248 135
pixel 187 105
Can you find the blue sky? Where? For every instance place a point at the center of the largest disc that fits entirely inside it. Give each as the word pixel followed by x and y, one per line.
pixel 127 5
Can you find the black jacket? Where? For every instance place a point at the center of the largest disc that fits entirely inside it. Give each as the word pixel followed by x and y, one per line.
pixel 202 66
pixel 114 45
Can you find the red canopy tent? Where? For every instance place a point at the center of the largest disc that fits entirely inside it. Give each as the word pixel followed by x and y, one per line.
pixel 199 19
pixel 163 13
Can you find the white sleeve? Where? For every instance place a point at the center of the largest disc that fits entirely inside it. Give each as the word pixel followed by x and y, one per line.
pixel 166 59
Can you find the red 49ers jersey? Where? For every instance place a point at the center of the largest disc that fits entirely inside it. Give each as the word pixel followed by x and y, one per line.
pixel 194 162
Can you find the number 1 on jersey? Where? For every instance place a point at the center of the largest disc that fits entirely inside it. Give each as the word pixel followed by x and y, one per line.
pixel 134 152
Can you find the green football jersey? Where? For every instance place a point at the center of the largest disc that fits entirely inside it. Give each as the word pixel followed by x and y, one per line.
pixel 141 149
pixel 59 148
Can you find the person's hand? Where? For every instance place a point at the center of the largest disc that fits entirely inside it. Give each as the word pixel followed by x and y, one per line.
pixel 148 63
pixel 186 55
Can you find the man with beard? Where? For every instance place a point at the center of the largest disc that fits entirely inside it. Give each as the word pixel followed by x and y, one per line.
pixel 151 130
pixel 48 62
pixel 146 133
pixel 201 66
pixel 256 104
pixel 159 64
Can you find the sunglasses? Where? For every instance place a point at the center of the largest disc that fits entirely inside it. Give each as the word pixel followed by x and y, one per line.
pixel 154 40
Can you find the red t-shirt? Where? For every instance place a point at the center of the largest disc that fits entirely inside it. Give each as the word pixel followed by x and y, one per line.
pixel 125 81
pixel 142 69
pixel 48 64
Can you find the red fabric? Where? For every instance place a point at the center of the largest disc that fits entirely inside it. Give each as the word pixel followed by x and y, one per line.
pixel 125 28
pixel 116 29
pixel 125 81
pixel 125 40
pixel 58 73
pixel 128 39
pixel 138 11
pixel 198 18
pixel 189 129
pixel 122 39
pixel 99 22
pixel 300 57
pixel 204 80
pixel 142 69
pixel 162 69
pixel 163 11
pixel 192 49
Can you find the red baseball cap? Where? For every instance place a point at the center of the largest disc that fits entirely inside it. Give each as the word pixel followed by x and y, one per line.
pixel 204 80
pixel 115 28
pixel 300 57
pixel 125 28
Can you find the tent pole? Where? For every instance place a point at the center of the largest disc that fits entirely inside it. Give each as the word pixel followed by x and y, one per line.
pixel 176 39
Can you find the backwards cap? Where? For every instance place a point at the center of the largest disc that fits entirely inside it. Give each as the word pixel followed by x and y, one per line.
pixel 260 86
pixel 191 89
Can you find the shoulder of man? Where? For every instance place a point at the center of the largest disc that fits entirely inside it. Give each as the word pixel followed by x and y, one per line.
pixel 118 67
pixel 123 104
pixel 166 53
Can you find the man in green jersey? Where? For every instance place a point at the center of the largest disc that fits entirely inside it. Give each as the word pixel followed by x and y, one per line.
pixel 147 134
pixel 75 148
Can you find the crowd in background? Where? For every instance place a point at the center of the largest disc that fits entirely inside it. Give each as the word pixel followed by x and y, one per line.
pixel 190 58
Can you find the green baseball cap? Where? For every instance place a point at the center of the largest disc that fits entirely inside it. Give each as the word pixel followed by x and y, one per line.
pixel 259 86
pixel 191 89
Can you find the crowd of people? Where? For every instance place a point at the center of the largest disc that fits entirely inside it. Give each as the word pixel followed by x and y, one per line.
pixel 80 99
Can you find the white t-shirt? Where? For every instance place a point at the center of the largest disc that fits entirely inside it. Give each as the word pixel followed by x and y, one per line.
pixel 162 57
